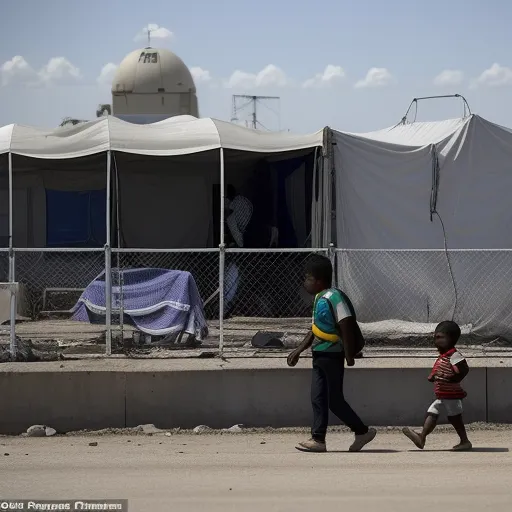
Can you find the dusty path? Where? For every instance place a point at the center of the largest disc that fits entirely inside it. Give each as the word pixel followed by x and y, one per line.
pixel 254 472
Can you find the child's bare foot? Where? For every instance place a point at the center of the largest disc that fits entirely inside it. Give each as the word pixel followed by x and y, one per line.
pixel 414 437
pixel 464 446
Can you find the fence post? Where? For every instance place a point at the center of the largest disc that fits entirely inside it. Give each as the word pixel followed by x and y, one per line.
pixel 222 253
pixel 222 264
pixel 108 300
pixel 108 265
pixel 13 291
pixel 12 269
pixel 331 253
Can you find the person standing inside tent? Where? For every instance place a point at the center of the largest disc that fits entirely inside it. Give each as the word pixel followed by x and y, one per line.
pixel 239 212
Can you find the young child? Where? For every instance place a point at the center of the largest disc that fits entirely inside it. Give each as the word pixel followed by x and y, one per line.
pixel 448 372
pixel 334 337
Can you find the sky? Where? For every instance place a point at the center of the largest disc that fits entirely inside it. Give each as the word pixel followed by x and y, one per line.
pixel 354 66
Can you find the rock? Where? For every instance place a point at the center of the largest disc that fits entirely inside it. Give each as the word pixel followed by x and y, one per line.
pixel 40 431
pixel 201 429
pixel 50 431
pixel 36 431
pixel 263 442
pixel 235 429
pixel 150 429
pixel 168 434
pixel 93 444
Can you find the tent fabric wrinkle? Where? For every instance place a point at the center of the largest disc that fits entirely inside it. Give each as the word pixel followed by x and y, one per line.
pixel 179 135
pixel 415 134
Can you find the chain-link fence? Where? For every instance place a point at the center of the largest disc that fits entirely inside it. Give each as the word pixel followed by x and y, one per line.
pixel 404 292
pixel 263 292
pixel 398 294
pixel 141 279
pixel 50 284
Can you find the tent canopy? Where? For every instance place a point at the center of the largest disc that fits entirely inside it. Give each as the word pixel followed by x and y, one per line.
pixel 174 136
pixel 64 167
pixel 386 181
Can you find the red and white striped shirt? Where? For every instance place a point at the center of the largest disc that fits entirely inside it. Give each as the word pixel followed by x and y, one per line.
pixel 446 365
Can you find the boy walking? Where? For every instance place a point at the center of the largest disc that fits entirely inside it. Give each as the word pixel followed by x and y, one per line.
pixel 448 372
pixel 334 337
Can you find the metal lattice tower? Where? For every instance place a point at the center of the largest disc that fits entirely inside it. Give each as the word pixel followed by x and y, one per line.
pixel 242 101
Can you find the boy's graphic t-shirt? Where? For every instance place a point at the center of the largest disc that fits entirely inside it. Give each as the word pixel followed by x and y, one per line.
pixel 447 364
pixel 327 338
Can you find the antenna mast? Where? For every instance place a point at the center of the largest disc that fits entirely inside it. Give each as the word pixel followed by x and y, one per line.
pixel 149 36
pixel 238 106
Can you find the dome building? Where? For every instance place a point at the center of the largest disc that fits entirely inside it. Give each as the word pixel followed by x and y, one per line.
pixel 153 82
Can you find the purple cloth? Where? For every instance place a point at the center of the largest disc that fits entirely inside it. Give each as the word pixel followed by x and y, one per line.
pixel 157 301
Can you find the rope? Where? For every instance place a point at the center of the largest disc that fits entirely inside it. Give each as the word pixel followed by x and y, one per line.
pixel 433 211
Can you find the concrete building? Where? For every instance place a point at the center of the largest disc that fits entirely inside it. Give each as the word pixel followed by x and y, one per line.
pixel 153 82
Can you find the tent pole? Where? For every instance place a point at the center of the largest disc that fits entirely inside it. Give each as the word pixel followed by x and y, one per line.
pixel 108 269
pixel 222 255
pixel 120 276
pixel 315 225
pixel 12 273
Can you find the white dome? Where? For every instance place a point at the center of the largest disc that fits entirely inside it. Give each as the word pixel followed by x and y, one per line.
pixel 152 70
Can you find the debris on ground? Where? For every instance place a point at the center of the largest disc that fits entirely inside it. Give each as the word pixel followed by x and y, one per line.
pixel 50 431
pixel 201 429
pixel 40 431
pixel 235 429
pixel 28 352
pixel 93 444
pixel 150 429
pixel 266 431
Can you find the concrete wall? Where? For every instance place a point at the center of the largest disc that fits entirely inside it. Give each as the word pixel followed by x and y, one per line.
pixel 77 398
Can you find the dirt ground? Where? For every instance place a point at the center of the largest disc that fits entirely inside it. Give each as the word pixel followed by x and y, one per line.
pixel 262 471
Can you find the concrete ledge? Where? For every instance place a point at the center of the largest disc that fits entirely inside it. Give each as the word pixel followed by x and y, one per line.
pixel 94 394
pixel 65 400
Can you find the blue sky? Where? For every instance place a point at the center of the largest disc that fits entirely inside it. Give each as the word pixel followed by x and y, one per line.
pixel 351 65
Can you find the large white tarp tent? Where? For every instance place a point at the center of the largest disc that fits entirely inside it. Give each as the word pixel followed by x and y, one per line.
pixel 424 219
pixel 164 171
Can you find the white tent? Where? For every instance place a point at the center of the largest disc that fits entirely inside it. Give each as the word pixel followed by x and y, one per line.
pixel 180 135
pixel 167 187
pixel 407 193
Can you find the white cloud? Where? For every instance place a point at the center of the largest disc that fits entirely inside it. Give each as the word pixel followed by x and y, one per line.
pixel 17 70
pixel 269 76
pixel 200 74
pixel 376 77
pixel 331 75
pixel 496 76
pixel 58 70
pixel 156 32
pixel 449 77
pixel 107 73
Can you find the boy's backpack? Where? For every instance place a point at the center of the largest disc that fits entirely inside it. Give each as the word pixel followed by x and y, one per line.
pixel 360 341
